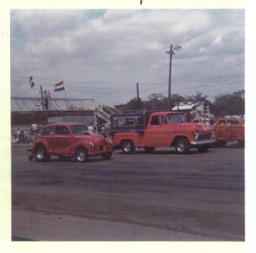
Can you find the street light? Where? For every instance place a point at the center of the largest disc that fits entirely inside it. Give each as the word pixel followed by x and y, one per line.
pixel 171 52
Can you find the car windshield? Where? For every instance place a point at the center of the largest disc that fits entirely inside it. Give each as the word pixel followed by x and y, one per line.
pixel 78 129
pixel 174 118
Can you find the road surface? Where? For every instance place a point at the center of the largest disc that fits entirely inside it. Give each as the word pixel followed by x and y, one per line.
pixel 161 196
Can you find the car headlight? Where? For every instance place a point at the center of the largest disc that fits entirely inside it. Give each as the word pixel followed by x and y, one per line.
pixel 92 145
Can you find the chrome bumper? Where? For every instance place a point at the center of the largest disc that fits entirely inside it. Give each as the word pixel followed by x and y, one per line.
pixel 203 142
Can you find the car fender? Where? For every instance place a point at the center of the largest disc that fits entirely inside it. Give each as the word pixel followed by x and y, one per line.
pixel 118 138
pixel 40 142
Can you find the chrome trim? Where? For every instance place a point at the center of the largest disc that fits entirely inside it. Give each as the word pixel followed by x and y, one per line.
pixel 202 142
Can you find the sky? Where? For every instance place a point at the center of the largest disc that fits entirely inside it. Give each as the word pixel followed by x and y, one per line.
pixel 103 53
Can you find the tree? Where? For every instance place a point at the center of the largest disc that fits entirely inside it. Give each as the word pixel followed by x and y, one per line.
pixel 197 97
pixel 229 104
pixel 156 101
pixel 133 104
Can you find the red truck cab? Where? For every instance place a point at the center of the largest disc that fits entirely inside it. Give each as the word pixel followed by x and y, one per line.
pixel 159 129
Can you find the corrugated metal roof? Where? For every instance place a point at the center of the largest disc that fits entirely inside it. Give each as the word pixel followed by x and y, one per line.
pixel 35 104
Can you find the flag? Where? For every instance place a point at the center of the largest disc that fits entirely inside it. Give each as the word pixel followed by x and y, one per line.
pixel 31 82
pixel 59 86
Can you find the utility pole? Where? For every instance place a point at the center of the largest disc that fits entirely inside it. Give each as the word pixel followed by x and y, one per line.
pixel 138 95
pixel 171 52
pixel 42 97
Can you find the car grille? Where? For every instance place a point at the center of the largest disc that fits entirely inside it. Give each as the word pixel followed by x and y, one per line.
pixel 204 136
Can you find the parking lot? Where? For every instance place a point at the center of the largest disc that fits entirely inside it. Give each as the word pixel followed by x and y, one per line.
pixel 159 196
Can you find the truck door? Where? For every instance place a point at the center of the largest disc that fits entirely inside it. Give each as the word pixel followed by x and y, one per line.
pixel 154 133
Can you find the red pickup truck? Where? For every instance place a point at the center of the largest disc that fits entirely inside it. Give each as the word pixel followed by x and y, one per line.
pixel 159 129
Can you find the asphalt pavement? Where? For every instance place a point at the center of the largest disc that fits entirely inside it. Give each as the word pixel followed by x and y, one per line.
pixel 160 196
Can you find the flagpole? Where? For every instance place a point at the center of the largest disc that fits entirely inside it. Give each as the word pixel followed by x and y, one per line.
pixel 66 98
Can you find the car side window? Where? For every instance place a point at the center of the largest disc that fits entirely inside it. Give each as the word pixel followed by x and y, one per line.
pixel 61 130
pixel 232 122
pixel 222 122
pixel 48 131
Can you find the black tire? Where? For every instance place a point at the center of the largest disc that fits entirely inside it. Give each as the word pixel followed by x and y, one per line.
pixel 149 149
pixel 128 147
pixel 40 154
pixel 181 146
pixel 203 148
pixel 106 156
pixel 81 155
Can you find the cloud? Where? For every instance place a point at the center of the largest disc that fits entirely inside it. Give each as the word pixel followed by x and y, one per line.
pixel 102 54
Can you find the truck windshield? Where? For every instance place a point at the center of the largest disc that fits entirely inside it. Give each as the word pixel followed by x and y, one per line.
pixel 172 118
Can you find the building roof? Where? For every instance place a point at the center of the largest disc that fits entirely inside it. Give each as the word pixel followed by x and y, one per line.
pixel 182 106
pixel 35 104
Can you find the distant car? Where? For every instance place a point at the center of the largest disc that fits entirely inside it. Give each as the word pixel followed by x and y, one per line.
pixel 229 129
pixel 69 140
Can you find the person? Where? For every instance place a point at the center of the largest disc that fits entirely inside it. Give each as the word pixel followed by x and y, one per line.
pixel 103 131
pixel 20 136
pixel 46 101
pixel 91 128
pixel 34 131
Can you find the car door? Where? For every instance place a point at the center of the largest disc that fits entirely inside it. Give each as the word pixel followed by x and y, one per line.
pixel 63 140
pixel 220 129
pixel 234 130
pixel 49 136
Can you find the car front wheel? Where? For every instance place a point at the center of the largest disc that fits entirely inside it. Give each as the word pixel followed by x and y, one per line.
pixel 182 146
pixel 81 155
pixel 40 154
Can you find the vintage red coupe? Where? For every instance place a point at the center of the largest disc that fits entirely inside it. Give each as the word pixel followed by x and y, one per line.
pixel 69 140
pixel 229 129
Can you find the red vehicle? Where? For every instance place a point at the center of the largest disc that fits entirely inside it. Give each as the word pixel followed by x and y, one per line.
pixel 69 140
pixel 159 129
pixel 229 129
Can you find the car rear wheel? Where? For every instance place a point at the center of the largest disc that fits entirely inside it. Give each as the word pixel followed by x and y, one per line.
pixel 81 155
pixel 128 147
pixel 40 154
pixel 182 146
